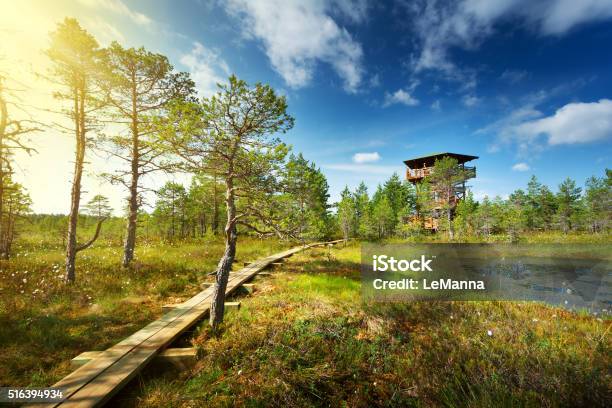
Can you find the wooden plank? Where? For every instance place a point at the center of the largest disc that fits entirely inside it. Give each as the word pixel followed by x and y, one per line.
pixel 181 358
pixel 264 274
pixel 96 381
pixel 167 308
pixel 169 355
pixel 231 305
pixel 84 358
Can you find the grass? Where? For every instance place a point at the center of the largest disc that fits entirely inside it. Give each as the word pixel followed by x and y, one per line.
pixel 46 323
pixel 306 339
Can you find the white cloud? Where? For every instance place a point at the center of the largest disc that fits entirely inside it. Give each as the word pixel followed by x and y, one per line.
pixel 366 157
pixel 503 128
pixel 206 67
pixel 400 96
pixel 470 100
pixel 119 7
pixel 520 167
pixel 297 35
pixel 441 26
pixel 436 105
pixel 354 10
pixel 573 123
pixel 562 15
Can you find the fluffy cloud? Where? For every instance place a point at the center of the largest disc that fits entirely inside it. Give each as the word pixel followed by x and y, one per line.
pixel 297 35
pixel 355 10
pixel 441 25
pixel 571 124
pixel 366 157
pixel 400 96
pixel 206 67
pixel 574 123
pixel 520 167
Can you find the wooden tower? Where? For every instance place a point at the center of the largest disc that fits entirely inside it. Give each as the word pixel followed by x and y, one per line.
pixel 420 167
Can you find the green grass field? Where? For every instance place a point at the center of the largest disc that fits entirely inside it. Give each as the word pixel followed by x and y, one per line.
pixel 46 323
pixel 304 338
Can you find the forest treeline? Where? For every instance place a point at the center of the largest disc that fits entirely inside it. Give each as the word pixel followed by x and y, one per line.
pixel 183 212
pixel 391 210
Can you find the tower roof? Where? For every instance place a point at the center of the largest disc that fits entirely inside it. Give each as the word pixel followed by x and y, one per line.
pixel 429 160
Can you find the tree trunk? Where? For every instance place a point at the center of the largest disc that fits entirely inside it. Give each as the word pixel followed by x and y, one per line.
pixel 203 224
pixel 225 264
pixel 451 231
pixel 3 124
pixel 75 194
pixel 215 215
pixel 130 234
pixel 449 213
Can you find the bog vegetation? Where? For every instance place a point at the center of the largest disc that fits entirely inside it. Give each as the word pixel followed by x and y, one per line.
pixel 305 339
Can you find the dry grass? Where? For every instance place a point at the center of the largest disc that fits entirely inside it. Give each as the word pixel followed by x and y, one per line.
pixel 45 323
pixel 306 339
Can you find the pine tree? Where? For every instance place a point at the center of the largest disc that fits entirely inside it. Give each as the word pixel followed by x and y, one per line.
pixel 465 221
pixel 568 201
pixel 486 217
pixel 383 218
pixel 137 85
pixel 170 210
pixel 16 204
pixel 233 136
pixel 309 191
pixel 77 61
pixel 12 134
pixel 362 211
pixel 400 195
pixel 598 199
pixel 99 207
pixel 444 179
pixel 347 213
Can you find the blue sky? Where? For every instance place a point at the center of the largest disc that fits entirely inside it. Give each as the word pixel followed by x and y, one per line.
pixel 525 85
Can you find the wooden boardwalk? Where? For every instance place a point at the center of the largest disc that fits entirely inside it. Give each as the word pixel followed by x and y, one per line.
pixel 95 382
